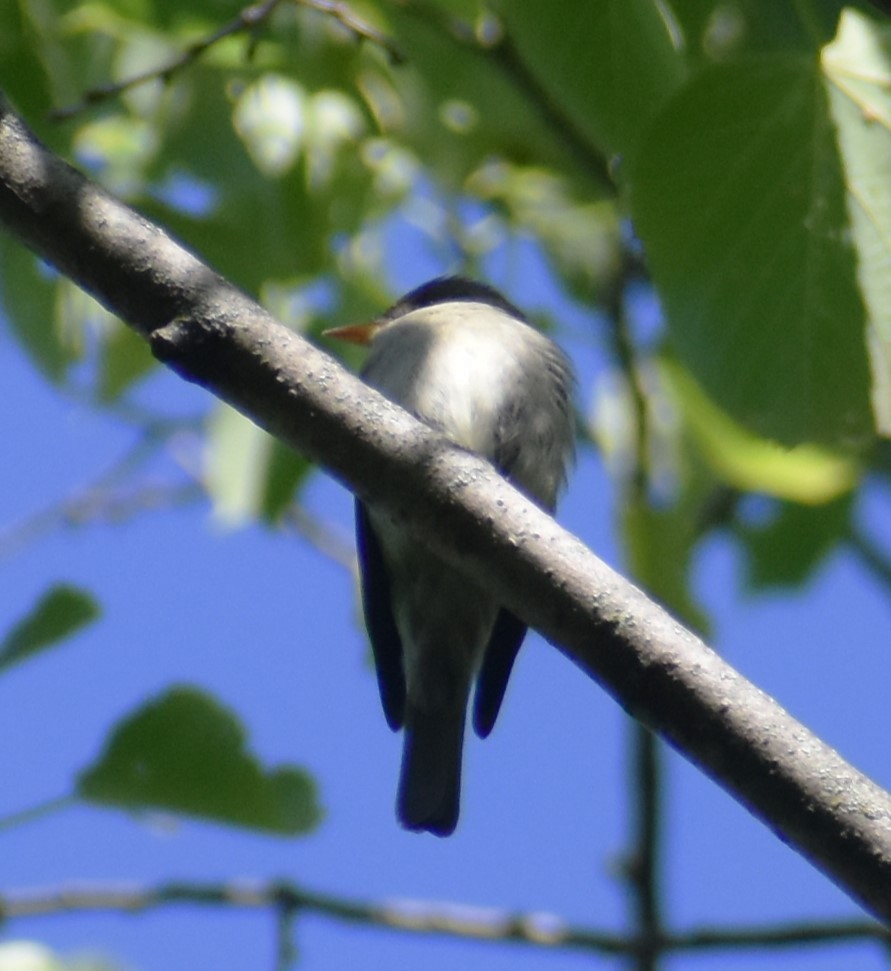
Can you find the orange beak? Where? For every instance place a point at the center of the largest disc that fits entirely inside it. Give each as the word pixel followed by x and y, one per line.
pixel 354 333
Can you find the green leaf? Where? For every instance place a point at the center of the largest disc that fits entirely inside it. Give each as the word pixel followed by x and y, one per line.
pixel 660 544
pixel 250 474
pixel 458 101
pixel 285 470
pixel 718 30
pixel 609 63
pixel 238 453
pixel 806 473
pixel 24 75
pixel 185 753
pixel 125 359
pixel 695 18
pixel 788 550
pixel 60 613
pixel 739 197
pixel 858 78
pixel 29 294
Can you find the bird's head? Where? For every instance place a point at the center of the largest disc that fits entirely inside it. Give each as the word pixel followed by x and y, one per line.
pixel 439 292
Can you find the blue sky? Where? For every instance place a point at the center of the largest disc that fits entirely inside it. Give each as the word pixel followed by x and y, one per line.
pixel 271 627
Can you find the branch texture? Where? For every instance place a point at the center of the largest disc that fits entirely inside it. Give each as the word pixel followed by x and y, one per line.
pixel 213 334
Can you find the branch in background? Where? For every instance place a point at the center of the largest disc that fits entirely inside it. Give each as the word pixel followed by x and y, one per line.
pixel 113 496
pixel 286 950
pixel 108 498
pixel 341 12
pixel 642 862
pixel 622 348
pixel 246 21
pixel 871 556
pixel 323 537
pixel 538 930
pixel 588 155
pixel 92 507
pixel 30 815
pixel 211 333
pixel 642 866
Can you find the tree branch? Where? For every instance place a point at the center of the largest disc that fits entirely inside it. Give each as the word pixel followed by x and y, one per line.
pixel 642 865
pixel 247 21
pixel 211 333
pixel 539 930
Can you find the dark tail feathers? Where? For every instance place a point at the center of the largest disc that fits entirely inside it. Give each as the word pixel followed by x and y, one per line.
pixel 430 781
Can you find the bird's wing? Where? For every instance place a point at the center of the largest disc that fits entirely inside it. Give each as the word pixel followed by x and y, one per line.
pixel 501 652
pixel 509 631
pixel 379 621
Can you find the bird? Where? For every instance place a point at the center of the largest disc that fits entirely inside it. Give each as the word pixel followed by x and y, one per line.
pixel 460 357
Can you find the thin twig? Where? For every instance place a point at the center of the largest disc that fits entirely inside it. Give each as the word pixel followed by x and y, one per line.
pixel 33 813
pixel 622 346
pixel 644 775
pixel 870 555
pixel 104 498
pixel 322 536
pixel 592 159
pixel 482 924
pixel 286 952
pixel 341 12
pixel 247 20
pixel 107 500
pixel 643 867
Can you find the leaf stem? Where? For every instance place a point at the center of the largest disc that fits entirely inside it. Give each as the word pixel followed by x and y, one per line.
pixel 25 816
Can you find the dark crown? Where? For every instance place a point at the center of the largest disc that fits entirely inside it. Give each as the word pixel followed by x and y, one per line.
pixel 449 289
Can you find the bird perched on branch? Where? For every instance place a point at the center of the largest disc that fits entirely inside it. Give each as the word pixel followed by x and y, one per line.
pixel 460 357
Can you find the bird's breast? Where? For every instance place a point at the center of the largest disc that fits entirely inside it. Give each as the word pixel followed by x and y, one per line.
pixel 454 378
